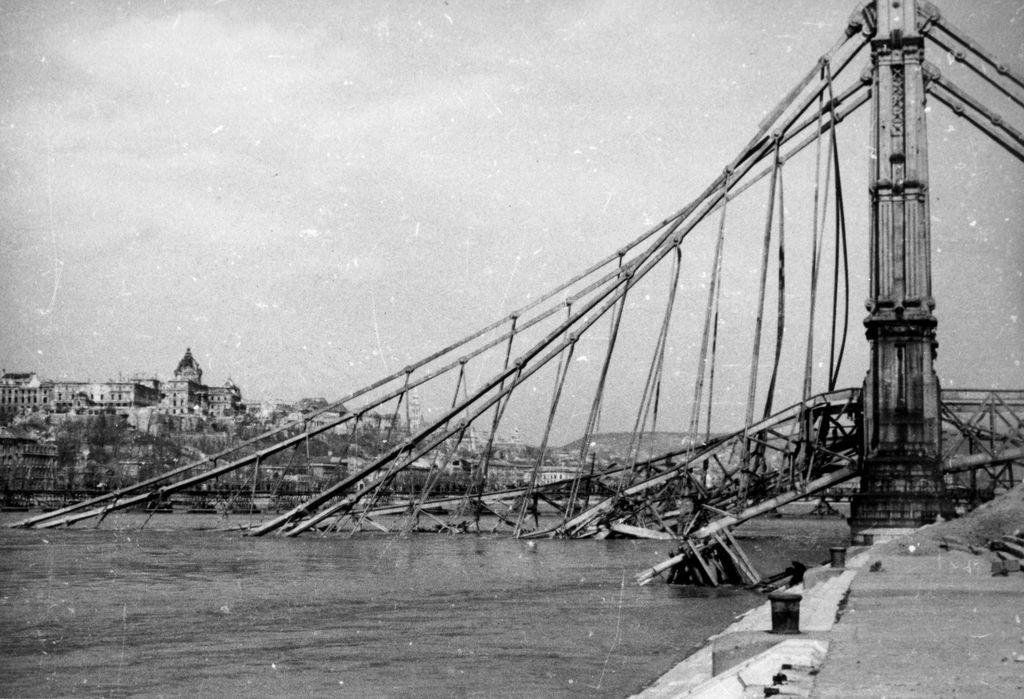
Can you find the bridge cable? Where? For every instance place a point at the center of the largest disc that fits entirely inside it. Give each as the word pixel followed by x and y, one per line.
pixel 817 233
pixel 436 464
pixel 565 363
pixel 787 127
pixel 710 311
pixel 395 466
pixel 759 320
pixel 781 292
pixel 835 362
pixel 817 249
pixel 714 356
pixel 377 489
pixel 661 360
pixel 561 371
pixel 948 93
pixel 653 372
pixel 644 262
pixel 594 418
pixel 762 136
pixel 960 57
pixel 398 407
pixel 479 480
pixel 383 481
pixel 834 120
pixel 976 49
pixel 629 276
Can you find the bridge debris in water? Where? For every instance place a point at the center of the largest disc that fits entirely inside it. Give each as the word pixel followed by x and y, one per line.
pixel 697 493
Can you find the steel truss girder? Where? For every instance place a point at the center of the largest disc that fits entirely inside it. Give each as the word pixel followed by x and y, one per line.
pixel 985 430
pixel 786 457
pixel 995 449
pixel 984 440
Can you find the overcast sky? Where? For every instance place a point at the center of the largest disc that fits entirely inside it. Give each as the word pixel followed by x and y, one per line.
pixel 311 194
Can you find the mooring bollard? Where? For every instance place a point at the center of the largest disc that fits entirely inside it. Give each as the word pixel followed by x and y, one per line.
pixel 838 556
pixel 785 612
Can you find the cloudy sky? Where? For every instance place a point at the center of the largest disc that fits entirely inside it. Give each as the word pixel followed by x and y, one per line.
pixel 311 194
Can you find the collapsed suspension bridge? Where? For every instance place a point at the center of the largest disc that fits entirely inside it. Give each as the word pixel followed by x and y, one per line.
pixel 900 434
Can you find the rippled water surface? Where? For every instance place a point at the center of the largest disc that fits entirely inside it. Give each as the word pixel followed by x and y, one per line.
pixel 182 608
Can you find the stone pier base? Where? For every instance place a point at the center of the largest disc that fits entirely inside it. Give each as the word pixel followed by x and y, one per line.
pixel 893 513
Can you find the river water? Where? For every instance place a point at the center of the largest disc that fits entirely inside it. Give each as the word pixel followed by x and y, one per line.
pixel 184 607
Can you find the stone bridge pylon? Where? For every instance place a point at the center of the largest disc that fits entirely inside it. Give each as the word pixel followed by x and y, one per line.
pixel 901 477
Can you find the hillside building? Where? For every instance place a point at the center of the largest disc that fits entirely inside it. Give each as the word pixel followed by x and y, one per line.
pixel 20 393
pixel 185 394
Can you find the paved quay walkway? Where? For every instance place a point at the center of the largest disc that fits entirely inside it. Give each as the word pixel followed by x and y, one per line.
pixel 928 623
pixel 906 618
pixel 744 658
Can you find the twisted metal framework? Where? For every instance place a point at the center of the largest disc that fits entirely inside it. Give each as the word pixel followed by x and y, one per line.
pixel 697 491
pixel 983 444
pixel 817 446
pixel 800 450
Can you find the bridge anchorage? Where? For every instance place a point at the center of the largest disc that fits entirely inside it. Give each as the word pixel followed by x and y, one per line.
pixel 918 451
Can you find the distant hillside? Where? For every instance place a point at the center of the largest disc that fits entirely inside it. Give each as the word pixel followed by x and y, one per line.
pixel 615 445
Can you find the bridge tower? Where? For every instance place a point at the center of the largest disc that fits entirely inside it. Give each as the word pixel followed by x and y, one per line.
pixel 901 481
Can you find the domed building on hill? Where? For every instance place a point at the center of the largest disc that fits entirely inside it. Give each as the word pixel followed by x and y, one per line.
pixel 188 368
pixel 186 394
